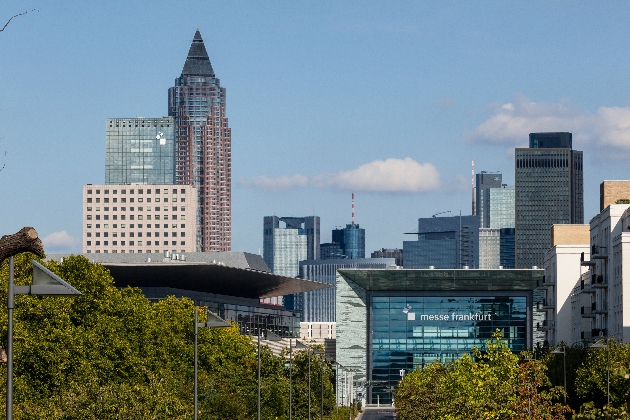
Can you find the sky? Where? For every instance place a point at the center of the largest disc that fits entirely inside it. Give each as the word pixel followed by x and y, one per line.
pixel 389 100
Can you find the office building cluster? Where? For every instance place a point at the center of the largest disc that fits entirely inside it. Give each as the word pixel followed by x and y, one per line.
pixel 167 180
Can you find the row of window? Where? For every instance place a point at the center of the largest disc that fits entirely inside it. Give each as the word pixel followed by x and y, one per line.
pixel 124 200
pixel 139 217
pixel 131 234
pixel 140 191
pixel 131 226
pixel 131 251
pixel 139 243
pixel 174 208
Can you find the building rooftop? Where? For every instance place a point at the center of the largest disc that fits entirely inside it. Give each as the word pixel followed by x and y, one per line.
pixel 197 63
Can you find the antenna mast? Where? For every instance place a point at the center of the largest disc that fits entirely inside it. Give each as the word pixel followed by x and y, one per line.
pixel 474 195
pixel 352 209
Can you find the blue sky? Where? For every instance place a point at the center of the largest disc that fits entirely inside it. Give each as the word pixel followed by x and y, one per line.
pixel 389 100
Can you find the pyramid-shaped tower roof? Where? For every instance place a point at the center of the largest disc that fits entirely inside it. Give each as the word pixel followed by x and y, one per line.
pixel 197 63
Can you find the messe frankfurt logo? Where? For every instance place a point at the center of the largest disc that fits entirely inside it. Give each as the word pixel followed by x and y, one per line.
pixel 453 316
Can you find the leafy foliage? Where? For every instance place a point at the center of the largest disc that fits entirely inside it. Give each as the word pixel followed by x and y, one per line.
pixel 112 354
pixel 492 384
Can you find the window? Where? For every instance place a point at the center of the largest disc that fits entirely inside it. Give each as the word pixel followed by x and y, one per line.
pixel 183 199
pixel 106 199
pixel 98 243
pixel 114 234
pixel 89 200
pixel 104 243
pixel 122 217
pixel 172 243
pixel 148 243
pixel 148 191
pixel 130 243
pixel 98 217
pixel 182 217
pixel 115 217
pixel 165 226
pixel 182 234
pixel 140 191
pixel 89 191
pixel 89 226
pixel 98 209
pixel 106 226
pixel 149 199
pixel 174 190
pixel 106 191
pixel 139 217
pixel 131 199
pixel 89 243
pixel 148 234
pixel 115 191
pixel 131 191
pixel 140 200
pixel 123 192
pixel 148 217
pixel 183 191
pixel 183 208
pixel 139 225
pixel 139 234
pixel 174 208
pixel 157 217
pixel 98 191
pixel 175 199
pixel 174 225
pixel 182 243
pixel 131 217
pixel 98 234
pixel 89 234
pixel 157 234
pixel 116 226
pixel 114 243
pixel 89 217
pixel 131 234
pixel 174 217
pixel 98 226
pixel 115 200
pixel 165 217
pixel 183 226
pixel 131 226
pixel 106 217
pixel 98 200
pixel 139 244
pixel 122 243
pixel 165 191
pixel 123 200
pixel 157 200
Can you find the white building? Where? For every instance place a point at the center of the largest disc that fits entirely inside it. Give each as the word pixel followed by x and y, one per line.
pixel 569 244
pixel 139 218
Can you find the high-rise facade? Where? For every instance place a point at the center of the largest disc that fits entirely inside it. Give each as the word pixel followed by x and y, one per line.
pixel 203 148
pixel 501 207
pixel 548 191
pixel 140 150
pixel 485 181
pixel 444 242
pixel 351 240
pixel 285 246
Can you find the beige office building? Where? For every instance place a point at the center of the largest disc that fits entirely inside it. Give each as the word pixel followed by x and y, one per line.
pixel 139 218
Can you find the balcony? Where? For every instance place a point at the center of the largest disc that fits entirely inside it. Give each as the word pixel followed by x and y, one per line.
pixel 599 282
pixel 599 252
pixel 586 287
pixel 587 312
pixel 547 282
pixel 602 309
pixel 546 325
pixel 586 335
pixel 548 304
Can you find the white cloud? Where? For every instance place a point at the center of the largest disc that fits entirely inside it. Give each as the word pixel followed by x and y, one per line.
pixel 511 124
pixel 60 241
pixel 390 175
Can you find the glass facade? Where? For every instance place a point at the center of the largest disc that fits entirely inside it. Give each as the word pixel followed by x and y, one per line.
pixel 548 191
pixel 140 151
pixel 507 247
pixel 484 182
pixel 501 207
pixel 411 331
pixel 351 240
pixel 489 249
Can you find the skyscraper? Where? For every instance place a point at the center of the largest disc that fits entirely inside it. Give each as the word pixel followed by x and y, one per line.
pixel 140 151
pixel 485 181
pixel 284 247
pixel 548 191
pixel 203 146
pixel 351 240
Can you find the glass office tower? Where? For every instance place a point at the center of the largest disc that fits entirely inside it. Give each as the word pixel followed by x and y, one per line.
pixel 388 320
pixel 501 207
pixel 485 181
pixel 548 191
pixel 204 146
pixel 351 240
pixel 140 150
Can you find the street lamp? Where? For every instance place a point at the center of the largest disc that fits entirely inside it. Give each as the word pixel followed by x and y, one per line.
pixel 600 345
pixel 317 351
pixel 298 345
pixel 45 283
pixel 564 367
pixel 269 337
pixel 212 322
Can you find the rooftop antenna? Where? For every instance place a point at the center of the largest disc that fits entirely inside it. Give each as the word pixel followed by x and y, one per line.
pixel 474 195
pixel 352 209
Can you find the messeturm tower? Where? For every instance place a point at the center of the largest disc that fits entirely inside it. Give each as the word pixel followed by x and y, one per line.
pixel 203 146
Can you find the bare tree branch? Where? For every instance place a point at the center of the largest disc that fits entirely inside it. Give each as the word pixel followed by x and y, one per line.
pixel 14 16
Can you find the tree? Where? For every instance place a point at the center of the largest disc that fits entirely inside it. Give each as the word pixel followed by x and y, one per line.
pixel 490 384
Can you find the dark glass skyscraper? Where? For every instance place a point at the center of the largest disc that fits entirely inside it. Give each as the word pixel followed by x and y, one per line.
pixel 485 181
pixel 549 190
pixel 351 240
pixel 204 146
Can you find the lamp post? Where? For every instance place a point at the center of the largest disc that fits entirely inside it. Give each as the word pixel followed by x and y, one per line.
pixel 564 367
pixel 212 322
pixel 45 283
pixel 600 345
pixel 269 337
pixel 298 345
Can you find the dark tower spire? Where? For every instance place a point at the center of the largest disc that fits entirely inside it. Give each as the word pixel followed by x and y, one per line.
pixel 197 63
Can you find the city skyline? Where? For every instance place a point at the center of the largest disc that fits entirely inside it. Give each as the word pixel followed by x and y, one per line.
pixel 301 103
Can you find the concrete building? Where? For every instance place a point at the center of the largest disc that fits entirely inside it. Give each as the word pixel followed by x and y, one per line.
pixel 319 305
pixel 389 320
pixel 613 192
pixel 139 218
pixel 204 146
pixel 444 242
pixel 570 244
pixel 284 246
pixel 140 151
pixel 548 191
pixel 489 249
